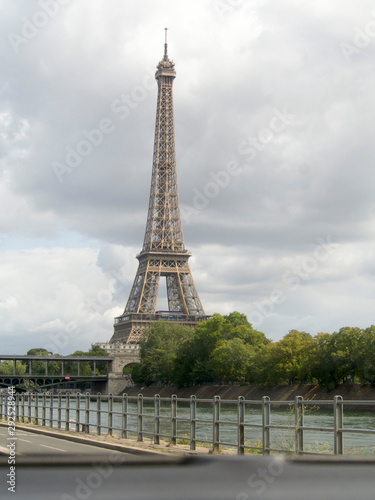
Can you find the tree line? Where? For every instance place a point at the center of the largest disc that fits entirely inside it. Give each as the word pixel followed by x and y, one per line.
pixel 227 349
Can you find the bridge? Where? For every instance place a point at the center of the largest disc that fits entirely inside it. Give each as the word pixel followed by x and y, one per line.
pixel 104 373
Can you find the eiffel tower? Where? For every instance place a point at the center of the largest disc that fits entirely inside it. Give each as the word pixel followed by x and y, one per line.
pixel 163 252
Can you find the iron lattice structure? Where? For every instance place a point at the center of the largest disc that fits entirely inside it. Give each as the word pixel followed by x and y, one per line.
pixel 163 252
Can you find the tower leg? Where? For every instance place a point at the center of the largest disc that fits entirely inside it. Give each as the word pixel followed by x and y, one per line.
pixel 175 293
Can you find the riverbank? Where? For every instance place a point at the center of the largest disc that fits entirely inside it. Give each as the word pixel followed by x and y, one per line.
pixel 250 392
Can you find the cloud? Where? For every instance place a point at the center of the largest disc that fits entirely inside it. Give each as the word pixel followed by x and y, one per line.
pixel 44 291
pixel 79 93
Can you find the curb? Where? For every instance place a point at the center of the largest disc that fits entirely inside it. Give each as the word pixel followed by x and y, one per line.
pixel 79 439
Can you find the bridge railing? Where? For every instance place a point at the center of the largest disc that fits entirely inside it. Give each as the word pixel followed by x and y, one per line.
pixel 263 427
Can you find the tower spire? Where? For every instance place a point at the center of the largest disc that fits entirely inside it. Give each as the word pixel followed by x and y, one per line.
pixel 163 253
pixel 166 44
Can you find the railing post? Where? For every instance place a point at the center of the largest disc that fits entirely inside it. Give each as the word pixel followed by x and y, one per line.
pixel 30 397
pixel 3 405
pixel 298 416
pixel 338 414
pixel 216 424
pixel 78 405
pixel 44 409
pixel 67 411
pixel 110 414
pixel 5 415
pixel 173 419
pixel 59 401
pixel 24 400
pixel 21 407
pixel 240 425
pixel 36 409
pixel 98 414
pixel 157 419
pixel 193 424
pixel 266 411
pixel 51 402
pixel 17 408
pixel 45 404
pixel 140 417
pixel 124 429
pixel 87 414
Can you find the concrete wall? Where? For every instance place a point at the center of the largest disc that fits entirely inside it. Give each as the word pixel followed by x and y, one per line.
pixel 123 359
pixel 117 381
pixel 116 384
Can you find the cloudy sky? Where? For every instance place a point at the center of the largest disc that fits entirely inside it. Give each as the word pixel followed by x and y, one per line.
pixel 274 111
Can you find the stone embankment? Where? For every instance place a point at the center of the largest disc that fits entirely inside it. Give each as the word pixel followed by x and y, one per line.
pixel 250 392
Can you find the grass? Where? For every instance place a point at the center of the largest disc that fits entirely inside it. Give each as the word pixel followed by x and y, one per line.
pixel 256 444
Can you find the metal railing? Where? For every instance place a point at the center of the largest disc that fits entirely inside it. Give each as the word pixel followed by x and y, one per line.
pixel 147 317
pixel 216 423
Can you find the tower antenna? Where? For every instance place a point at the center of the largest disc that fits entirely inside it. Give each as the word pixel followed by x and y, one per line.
pixel 166 43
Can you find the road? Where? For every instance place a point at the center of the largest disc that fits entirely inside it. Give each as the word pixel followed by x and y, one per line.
pixel 58 469
pixel 29 443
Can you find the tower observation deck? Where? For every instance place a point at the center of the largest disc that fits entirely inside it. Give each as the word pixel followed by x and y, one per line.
pixel 163 252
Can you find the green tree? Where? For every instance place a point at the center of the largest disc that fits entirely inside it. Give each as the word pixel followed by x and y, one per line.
pixel 101 366
pixel 366 371
pixel 6 367
pixel 97 351
pixel 85 367
pixel 38 367
pixel 158 351
pixel 232 361
pixel 285 361
pixel 54 366
pixel 346 353
pixel 321 361
pixel 341 356
pixel 194 362
pixel 38 351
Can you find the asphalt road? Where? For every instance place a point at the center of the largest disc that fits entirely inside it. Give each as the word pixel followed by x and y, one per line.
pixel 191 478
pixel 28 443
